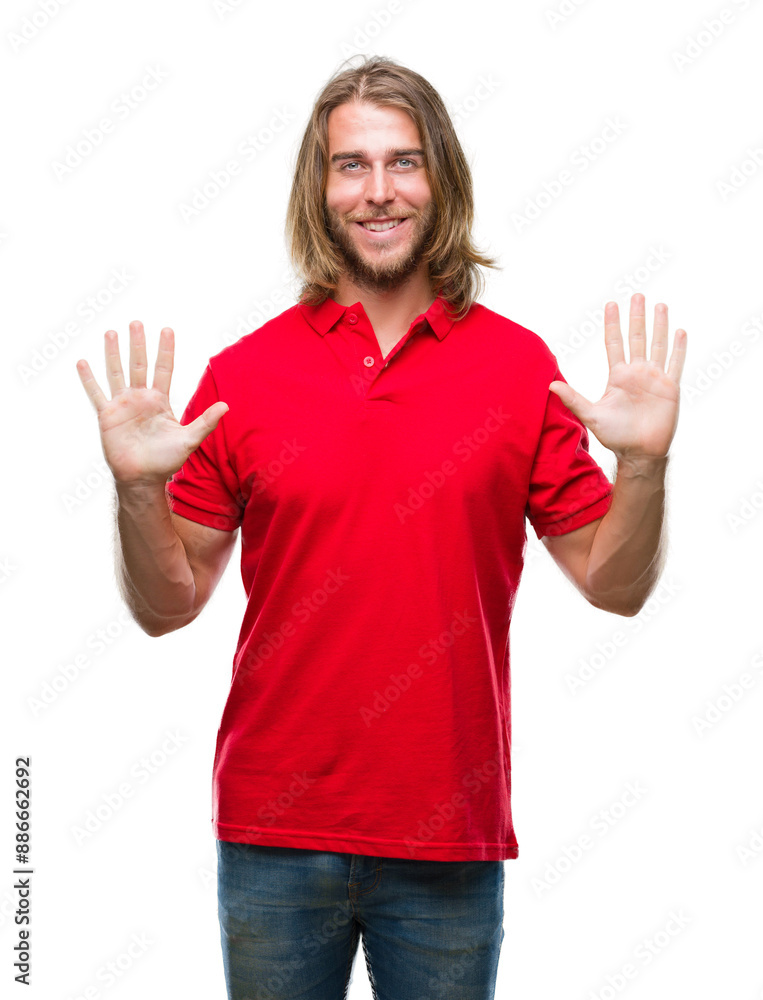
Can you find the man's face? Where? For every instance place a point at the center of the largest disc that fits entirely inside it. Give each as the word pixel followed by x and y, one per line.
pixel 376 172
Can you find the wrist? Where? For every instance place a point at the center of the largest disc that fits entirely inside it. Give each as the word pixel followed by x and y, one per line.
pixel 139 493
pixel 642 466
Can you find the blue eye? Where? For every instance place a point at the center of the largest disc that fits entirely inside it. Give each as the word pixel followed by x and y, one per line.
pixel 354 163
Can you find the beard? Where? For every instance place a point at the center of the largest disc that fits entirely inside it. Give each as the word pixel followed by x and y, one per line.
pixel 377 273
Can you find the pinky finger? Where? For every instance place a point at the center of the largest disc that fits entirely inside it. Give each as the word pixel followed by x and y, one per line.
pixel 164 361
pixel 94 391
pixel 677 356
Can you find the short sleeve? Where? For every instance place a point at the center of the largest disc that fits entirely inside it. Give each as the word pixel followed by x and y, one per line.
pixel 206 489
pixel 567 489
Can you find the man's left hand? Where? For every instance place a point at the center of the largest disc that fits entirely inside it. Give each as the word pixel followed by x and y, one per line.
pixel 636 417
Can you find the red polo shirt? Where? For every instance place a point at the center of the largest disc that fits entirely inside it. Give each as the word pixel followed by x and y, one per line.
pixel 382 505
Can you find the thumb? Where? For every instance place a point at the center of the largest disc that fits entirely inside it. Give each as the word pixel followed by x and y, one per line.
pixel 204 424
pixel 578 404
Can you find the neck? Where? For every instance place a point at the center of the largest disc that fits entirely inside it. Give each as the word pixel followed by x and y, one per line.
pixel 390 309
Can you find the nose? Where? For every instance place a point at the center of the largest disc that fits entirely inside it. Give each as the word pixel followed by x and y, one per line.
pixel 379 186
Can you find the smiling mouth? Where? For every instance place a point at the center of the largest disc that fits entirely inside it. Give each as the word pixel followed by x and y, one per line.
pixel 374 226
pixel 380 227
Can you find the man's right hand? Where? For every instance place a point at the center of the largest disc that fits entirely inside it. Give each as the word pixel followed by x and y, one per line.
pixel 143 443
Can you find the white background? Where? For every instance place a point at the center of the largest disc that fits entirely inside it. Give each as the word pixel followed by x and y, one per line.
pixel 531 92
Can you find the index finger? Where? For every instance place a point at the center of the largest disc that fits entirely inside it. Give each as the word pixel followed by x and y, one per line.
pixel 613 339
pixel 164 361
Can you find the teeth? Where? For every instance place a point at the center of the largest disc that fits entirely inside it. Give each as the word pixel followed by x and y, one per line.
pixel 380 227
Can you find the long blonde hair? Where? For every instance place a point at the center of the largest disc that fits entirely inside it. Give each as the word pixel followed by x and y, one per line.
pixel 452 258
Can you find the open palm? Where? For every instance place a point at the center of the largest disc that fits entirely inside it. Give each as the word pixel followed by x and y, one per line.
pixel 638 413
pixel 142 440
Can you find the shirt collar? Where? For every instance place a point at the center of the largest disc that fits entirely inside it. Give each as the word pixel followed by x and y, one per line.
pixel 326 315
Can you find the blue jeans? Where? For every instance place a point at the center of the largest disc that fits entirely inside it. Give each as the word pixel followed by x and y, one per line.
pixel 291 919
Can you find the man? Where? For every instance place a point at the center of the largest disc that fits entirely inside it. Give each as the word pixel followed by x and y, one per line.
pixel 383 441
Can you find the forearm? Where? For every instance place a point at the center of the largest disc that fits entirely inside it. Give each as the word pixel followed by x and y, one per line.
pixel 153 571
pixel 628 550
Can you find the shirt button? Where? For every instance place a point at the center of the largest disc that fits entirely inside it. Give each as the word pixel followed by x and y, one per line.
pixel 368 362
pixel 352 318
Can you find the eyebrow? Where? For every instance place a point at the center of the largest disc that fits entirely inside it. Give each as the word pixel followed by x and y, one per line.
pixel 361 154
